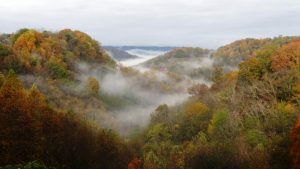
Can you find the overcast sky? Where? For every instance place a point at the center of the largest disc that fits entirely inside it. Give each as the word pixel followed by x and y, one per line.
pixel 204 23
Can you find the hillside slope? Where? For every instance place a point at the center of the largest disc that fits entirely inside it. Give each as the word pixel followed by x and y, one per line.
pixel 61 95
pixel 182 61
pixel 246 119
pixel 232 54
pixel 64 127
pixel 119 54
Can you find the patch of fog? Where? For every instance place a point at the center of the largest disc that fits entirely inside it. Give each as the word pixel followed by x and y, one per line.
pixel 202 81
pixel 29 80
pixel 145 53
pixel 133 62
pixel 183 67
pixel 142 69
pixel 194 63
pixel 115 84
pixel 139 115
pixel 228 68
pixel 207 62
pixel 148 99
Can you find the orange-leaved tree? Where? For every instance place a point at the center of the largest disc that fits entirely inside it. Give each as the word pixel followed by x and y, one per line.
pixel 16 143
pixel 295 149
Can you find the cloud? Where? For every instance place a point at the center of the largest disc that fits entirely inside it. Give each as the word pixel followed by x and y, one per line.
pixel 206 23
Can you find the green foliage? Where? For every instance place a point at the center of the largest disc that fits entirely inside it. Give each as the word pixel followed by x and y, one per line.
pixel 30 165
pixel 179 54
pixel 255 137
pixel 251 122
pixel 282 118
pixel 57 69
pixel 218 122
pixel 158 133
pixel 251 70
pixel 284 81
pixel 195 118
pixel 254 68
pixel 4 51
pixel 158 147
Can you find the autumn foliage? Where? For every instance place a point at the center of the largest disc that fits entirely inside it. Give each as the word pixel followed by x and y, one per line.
pixel 135 163
pixel 246 118
pixel 30 130
pixel 50 53
pixel 288 57
pixel 243 120
pixel 295 149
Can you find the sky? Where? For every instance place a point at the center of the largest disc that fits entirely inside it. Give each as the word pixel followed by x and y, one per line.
pixel 203 23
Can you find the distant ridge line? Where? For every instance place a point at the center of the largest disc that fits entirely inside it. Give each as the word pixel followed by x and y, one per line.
pixel 158 48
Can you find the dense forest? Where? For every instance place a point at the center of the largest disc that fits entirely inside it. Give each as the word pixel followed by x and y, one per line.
pixel 64 103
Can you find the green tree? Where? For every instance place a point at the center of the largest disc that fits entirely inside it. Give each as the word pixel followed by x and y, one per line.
pixel 217 74
pixel 219 123
pixel 160 115
pixel 93 86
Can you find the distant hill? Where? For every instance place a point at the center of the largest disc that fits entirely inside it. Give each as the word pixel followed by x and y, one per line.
pixel 119 54
pixel 181 61
pixel 240 50
pixel 198 63
pixel 155 48
pixel 50 54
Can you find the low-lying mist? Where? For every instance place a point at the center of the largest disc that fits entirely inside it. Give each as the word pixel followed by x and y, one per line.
pixel 128 95
pixel 192 65
pixel 144 55
pixel 127 98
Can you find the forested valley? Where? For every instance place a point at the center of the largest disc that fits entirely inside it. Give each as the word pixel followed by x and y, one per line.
pixel 65 103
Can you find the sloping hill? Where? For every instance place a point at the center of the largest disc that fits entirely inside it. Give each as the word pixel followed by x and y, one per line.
pixel 181 61
pixel 48 53
pixel 67 122
pixel 119 54
pixel 244 120
pixel 240 50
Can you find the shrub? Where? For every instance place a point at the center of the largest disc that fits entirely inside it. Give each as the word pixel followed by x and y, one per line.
pixel 57 70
